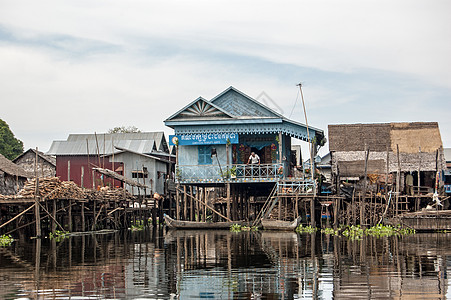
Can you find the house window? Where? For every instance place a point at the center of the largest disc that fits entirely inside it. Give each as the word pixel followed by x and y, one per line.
pixel 204 155
pixel 140 173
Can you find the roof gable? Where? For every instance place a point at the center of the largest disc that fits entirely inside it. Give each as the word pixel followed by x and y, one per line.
pixel 200 108
pixel 50 159
pixel 241 105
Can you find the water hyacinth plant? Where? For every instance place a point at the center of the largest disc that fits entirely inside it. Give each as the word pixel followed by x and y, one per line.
pixel 306 229
pixel 6 240
pixel 238 228
pixel 58 235
pixel 330 231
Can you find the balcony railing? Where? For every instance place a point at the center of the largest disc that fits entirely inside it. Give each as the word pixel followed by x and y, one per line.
pixel 295 187
pixel 229 173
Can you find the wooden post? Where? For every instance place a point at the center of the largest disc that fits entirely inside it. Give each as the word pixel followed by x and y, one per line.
pixel 204 209
pixel 191 204
pixel 93 215
pixel 353 207
pixel 54 216
pixel 82 176
pixel 336 206
pixel 36 198
pixel 185 198
pixel 228 200
pixel 362 204
pixel 398 180
pixel 417 204
pixel 296 207
pixel 83 225
pixel 280 147
pixel 70 215
pixel 177 203
pixel 312 212
pixel 241 203
pixel 68 170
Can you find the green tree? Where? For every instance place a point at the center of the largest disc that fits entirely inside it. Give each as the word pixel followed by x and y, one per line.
pixel 10 147
pixel 123 129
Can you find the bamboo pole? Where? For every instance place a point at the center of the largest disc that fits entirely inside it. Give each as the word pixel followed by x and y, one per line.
pixel 23 212
pixel 211 208
pixel 362 203
pixel 36 198
pixel 185 202
pixel 398 180
pixel 228 200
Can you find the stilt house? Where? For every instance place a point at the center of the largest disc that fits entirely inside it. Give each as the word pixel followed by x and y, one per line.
pixel 143 157
pixel 412 150
pixel 447 152
pixel 216 137
pixel 46 165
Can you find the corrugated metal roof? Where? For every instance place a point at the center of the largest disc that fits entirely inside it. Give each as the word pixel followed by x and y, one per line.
pixel 107 146
pixel 82 144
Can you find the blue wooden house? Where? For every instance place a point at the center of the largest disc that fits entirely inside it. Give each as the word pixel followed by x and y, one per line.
pixel 214 140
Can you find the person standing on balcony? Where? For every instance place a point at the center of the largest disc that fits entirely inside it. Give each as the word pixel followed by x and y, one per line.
pixel 254 159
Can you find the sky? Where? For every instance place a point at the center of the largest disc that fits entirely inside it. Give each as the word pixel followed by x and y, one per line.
pixel 87 66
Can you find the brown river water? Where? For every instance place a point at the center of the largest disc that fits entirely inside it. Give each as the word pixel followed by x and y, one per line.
pixel 161 264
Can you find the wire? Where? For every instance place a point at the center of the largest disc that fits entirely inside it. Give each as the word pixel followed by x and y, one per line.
pixel 295 102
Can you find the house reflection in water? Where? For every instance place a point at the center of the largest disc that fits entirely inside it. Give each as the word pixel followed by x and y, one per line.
pixel 226 265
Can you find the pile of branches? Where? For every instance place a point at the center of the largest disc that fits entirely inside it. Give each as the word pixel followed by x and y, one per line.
pixel 109 194
pixel 51 188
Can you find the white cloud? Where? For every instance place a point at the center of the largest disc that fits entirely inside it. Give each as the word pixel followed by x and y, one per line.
pixel 84 66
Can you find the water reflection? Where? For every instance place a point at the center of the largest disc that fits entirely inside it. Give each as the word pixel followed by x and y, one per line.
pixel 156 264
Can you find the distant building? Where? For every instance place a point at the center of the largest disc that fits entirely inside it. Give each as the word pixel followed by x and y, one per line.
pixel 447 152
pixel 420 154
pixel 143 157
pixel 46 166
pixel 12 177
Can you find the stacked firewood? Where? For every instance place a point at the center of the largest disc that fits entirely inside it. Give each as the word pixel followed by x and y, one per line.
pixel 46 185
pixel 108 194
pixel 52 188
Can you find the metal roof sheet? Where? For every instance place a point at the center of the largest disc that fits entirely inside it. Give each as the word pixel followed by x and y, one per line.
pixel 83 144
pixel 107 146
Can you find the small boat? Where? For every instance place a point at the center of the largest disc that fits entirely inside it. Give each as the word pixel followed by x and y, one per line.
pixel 280 225
pixel 179 224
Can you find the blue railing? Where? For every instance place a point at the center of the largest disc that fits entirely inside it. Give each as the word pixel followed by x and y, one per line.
pixel 229 173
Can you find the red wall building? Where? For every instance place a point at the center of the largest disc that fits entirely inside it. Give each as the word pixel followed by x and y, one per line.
pixel 77 168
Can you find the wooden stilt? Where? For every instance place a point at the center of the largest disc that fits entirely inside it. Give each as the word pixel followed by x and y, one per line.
pixel 70 216
pixel 36 198
pixel 191 204
pixel 228 200
pixel 185 206
pixel 83 221
pixel 177 203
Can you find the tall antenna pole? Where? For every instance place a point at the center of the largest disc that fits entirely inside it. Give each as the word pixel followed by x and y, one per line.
pixel 312 165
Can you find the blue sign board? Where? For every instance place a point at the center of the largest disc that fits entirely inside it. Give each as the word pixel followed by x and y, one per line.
pixel 203 139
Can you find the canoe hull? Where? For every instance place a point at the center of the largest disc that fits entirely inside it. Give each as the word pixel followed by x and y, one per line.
pixel 178 224
pixel 280 225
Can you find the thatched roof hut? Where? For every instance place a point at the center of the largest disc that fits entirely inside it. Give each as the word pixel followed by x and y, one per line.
pixel 12 176
pixel 419 143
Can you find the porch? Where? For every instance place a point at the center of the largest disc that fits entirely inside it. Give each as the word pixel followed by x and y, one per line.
pixel 189 174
